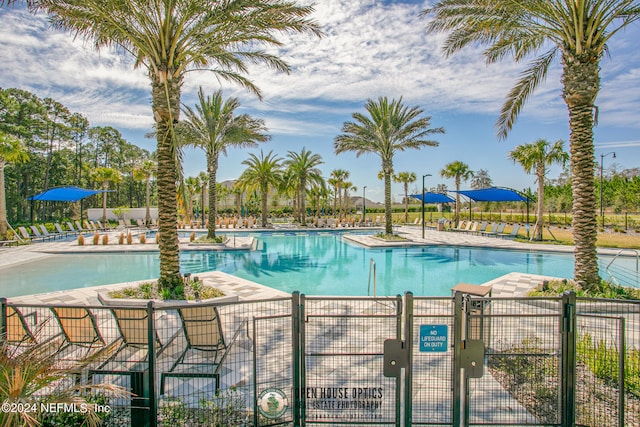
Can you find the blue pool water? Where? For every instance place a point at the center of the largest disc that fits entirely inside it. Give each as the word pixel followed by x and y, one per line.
pixel 315 264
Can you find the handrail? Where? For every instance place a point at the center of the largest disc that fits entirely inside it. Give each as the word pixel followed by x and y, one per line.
pixel 616 257
pixel 372 265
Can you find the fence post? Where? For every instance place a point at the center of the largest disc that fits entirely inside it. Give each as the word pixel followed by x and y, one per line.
pixel 408 372
pixel 151 381
pixel 297 407
pixel 3 320
pixel 622 352
pixel 458 319
pixel 568 360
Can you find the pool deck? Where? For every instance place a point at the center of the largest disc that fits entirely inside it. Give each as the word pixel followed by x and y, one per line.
pixel 513 284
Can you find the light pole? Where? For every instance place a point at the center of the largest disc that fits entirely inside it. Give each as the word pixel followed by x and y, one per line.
pixel 364 207
pixel 602 156
pixel 423 177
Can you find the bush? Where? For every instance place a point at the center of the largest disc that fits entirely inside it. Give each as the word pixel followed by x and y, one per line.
pixel 143 238
pixel 121 238
pixel 96 239
pixel 192 237
pixel 80 240
pixel 105 239
pixel 129 238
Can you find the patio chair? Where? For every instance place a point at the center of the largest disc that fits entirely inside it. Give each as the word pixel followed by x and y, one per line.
pixel 513 234
pixel 62 232
pixel 495 229
pixel 80 330
pixel 18 329
pixel 39 235
pixel 80 227
pixel 26 236
pixel 202 333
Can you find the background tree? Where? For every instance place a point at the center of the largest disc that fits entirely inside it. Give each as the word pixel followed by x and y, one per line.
pixel 105 176
pixel 215 126
pixel 11 151
pixel 222 37
pixel 389 128
pixel 262 174
pixel 578 32
pixel 534 158
pixel 405 178
pixel 481 179
pixel 145 172
pixel 304 171
pixel 459 171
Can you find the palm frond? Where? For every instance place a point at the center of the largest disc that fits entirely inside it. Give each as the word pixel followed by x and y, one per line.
pixel 529 81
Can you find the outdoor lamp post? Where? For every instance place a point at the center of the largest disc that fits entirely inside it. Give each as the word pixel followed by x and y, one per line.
pixel 364 207
pixel 423 177
pixel 602 156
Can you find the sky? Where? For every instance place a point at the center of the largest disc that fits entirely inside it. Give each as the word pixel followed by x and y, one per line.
pixel 371 48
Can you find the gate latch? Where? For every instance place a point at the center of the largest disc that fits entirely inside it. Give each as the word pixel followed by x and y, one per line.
pixel 473 358
pixel 396 357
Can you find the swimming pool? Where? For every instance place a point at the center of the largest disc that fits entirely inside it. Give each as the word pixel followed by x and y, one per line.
pixel 314 263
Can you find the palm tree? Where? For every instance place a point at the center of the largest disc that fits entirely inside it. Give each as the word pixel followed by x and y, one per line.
pixel 170 38
pixel 105 176
pixel 263 173
pixel 304 171
pixel 215 126
pixel 405 178
pixel 145 172
pixel 11 151
pixel 460 172
pixel 193 187
pixel 578 32
pixel 338 177
pixel 391 127
pixel 204 181
pixel 535 158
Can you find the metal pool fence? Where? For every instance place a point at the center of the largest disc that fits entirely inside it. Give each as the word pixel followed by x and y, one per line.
pixel 320 361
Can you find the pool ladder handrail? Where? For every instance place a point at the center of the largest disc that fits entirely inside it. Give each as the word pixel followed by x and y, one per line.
pixel 372 267
pixel 620 252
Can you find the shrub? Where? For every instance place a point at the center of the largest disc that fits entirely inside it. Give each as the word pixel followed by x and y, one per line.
pixel 192 237
pixel 129 238
pixel 96 239
pixel 81 240
pixel 105 239
pixel 121 238
pixel 143 238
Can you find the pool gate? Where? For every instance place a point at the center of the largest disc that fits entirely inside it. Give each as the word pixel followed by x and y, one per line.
pixel 405 361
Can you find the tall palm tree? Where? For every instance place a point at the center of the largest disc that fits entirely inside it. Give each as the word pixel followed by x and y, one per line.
pixel 105 176
pixel 204 182
pixel 304 170
pixel 338 177
pixel 145 172
pixel 215 126
pixel 405 178
pixel 11 151
pixel 534 158
pixel 460 172
pixel 263 174
pixel 170 38
pixel 193 187
pixel 577 32
pixel 390 127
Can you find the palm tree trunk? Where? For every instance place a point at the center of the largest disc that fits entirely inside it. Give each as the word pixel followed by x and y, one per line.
pixel 303 209
pixel 265 193
pixel 3 205
pixel 581 82
pixel 105 186
pixel 406 202
pixel 147 202
pixel 166 110
pixel 388 224
pixel 457 211
pixel 212 168
pixel 539 220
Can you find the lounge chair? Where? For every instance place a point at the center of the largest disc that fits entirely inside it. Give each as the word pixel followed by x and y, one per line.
pixel 80 330
pixel 62 232
pixel 39 235
pixel 513 234
pixel 495 230
pixel 26 236
pixel 81 228
pixel 203 334
pixel 18 329
pixel 46 233
pixel 481 229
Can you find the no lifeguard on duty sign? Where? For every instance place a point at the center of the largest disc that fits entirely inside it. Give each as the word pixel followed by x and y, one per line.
pixel 434 338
